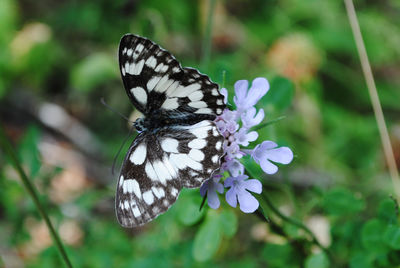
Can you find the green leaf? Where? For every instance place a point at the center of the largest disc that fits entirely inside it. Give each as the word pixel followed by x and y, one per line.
pixel 372 234
pixel 387 211
pixel 208 238
pixel 340 201
pixel 361 260
pixel 280 94
pixel 317 261
pixel 229 223
pixel 188 210
pixel 392 236
pixel 277 255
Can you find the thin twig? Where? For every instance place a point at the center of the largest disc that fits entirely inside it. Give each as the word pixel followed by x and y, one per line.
pixel 8 149
pixel 206 45
pixel 376 105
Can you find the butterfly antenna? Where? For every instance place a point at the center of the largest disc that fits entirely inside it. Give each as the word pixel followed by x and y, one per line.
pixel 112 109
pixel 120 148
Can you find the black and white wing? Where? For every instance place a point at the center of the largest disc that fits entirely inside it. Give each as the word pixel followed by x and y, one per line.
pixel 159 164
pixel 156 82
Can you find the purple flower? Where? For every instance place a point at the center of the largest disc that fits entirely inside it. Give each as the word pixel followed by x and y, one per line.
pixel 224 93
pixel 233 151
pixel 250 119
pixel 245 99
pixel 238 191
pixel 266 152
pixel 234 167
pixel 243 138
pixel 212 186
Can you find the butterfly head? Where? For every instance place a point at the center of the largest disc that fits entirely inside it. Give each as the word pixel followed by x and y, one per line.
pixel 140 124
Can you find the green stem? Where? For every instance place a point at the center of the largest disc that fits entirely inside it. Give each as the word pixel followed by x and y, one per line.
pixel 5 143
pixel 268 123
pixel 206 46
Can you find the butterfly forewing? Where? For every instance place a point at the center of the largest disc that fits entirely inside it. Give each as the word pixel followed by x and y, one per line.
pixel 155 81
pixel 179 145
pixel 158 165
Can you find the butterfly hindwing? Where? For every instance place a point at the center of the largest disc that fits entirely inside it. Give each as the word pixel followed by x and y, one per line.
pixel 155 81
pixel 159 164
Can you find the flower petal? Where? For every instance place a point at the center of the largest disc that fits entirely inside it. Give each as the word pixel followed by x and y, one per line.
pixel 231 198
pixel 281 155
pixel 266 145
pixel 204 187
pixel 252 136
pixel 268 167
pixel 228 182
pixel 241 87
pixel 253 185
pixel 247 202
pixel 224 92
pixel 213 200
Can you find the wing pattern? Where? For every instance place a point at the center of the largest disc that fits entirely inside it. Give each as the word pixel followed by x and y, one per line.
pixel 179 145
pixel 157 166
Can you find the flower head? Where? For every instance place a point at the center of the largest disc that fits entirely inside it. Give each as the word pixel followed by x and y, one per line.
pixel 239 191
pixel 245 99
pixel 266 152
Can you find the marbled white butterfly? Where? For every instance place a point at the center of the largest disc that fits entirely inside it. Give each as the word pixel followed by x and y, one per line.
pixel 178 144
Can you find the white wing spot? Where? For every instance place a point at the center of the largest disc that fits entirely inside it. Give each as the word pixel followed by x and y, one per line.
pixel 124 51
pixel 121 181
pixel 123 70
pixel 209 170
pixel 150 172
pixel 164 84
pixel 181 161
pixel 218 145
pixel 139 48
pixel 174 191
pixel 138 156
pixel 197 144
pixel 215 132
pixel 165 203
pixel 219 111
pixel 140 94
pixel 170 104
pixel 198 104
pixel 175 69
pixel 136 211
pixel 196 155
pixel 153 82
pixel 158 192
pixel 126 204
pixel 219 102
pixel 170 145
pixel 214 92
pixel 136 188
pixel 129 52
pixel 214 159
pixel 204 111
pixel 196 96
pixel 182 91
pixel 161 171
pixel 151 62
pixel 148 197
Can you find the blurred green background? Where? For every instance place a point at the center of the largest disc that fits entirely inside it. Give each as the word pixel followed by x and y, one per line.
pixel 58 58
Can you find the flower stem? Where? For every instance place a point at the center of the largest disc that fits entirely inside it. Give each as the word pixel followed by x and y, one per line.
pixel 376 105
pixel 206 46
pixel 296 223
pixel 7 147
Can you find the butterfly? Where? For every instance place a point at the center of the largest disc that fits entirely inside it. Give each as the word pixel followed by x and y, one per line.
pixel 178 144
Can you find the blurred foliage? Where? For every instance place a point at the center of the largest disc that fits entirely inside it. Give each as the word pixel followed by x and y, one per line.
pixel 65 53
